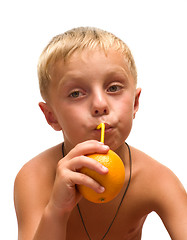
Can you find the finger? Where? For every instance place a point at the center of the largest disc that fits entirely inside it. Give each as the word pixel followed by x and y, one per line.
pixel 88 147
pixel 82 179
pixel 82 161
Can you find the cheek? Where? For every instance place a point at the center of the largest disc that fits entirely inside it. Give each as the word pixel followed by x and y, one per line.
pixel 70 118
pixel 71 121
pixel 125 107
pixel 126 113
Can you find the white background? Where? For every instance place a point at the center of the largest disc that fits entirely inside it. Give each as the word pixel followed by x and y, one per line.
pixel 155 32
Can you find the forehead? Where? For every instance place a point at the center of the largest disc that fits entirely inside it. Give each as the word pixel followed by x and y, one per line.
pixel 91 62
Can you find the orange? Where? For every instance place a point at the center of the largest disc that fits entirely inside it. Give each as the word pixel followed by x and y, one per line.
pixel 112 181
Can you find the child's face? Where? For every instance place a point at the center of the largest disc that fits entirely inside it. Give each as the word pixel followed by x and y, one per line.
pixel 91 88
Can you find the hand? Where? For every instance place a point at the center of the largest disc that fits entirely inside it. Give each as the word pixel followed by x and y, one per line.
pixel 65 195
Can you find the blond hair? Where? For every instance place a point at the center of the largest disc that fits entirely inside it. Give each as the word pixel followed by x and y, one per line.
pixel 64 45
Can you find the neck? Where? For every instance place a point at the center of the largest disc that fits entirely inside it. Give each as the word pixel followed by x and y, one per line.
pixel 122 152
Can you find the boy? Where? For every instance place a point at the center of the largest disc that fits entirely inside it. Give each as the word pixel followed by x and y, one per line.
pixel 88 76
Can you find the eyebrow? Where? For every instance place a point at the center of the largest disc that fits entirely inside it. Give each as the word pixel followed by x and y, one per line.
pixel 120 72
pixel 73 76
pixel 70 78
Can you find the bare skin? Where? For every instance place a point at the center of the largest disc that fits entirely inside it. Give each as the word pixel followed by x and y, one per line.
pixel 34 185
pixel 102 89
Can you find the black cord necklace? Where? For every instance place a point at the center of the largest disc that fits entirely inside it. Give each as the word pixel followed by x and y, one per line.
pixel 119 203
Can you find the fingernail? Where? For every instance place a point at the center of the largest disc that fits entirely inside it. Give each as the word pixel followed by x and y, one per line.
pixel 105 147
pixel 105 168
pixel 101 189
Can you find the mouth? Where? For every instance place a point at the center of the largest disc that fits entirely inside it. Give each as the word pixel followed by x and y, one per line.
pixel 108 127
pixel 107 134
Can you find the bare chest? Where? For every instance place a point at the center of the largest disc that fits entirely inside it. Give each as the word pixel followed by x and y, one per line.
pixel 99 223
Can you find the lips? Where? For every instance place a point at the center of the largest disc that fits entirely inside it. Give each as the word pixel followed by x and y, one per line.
pixel 107 127
pixel 97 132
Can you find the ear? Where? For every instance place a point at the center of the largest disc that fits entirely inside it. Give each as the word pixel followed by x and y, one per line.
pixel 136 101
pixel 50 116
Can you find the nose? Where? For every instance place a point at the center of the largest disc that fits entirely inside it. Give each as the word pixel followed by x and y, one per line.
pixel 99 105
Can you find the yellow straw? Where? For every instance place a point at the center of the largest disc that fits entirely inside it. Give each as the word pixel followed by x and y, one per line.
pixel 102 126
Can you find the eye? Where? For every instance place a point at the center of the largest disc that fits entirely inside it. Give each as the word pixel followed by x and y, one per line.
pixel 76 94
pixel 114 88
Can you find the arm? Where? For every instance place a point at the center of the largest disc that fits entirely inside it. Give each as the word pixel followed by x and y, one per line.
pixel 52 225
pixel 31 196
pixel 171 204
pixel 44 206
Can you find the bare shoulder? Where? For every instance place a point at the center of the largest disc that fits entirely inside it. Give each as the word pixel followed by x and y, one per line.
pixel 33 185
pixel 162 191
pixel 41 166
pixel 155 175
